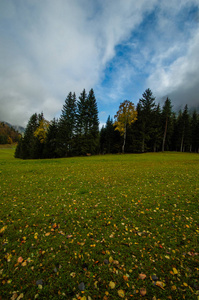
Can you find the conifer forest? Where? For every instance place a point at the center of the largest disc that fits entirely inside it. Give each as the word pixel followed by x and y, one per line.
pixel 152 129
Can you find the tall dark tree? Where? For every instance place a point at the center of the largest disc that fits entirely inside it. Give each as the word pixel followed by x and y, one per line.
pixel 109 136
pixel 82 124
pixel 166 123
pixel 186 132
pixel 195 132
pixel 51 144
pixel 156 133
pixel 110 139
pixel 93 123
pixel 146 108
pixel 30 146
pixel 67 124
pixel 87 128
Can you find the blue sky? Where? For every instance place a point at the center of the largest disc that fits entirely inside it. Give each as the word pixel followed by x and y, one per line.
pixel 117 47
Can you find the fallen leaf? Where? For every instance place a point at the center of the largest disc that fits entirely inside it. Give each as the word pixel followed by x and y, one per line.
pixel 14 296
pixel 175 271
pixel 110 259
pixel 24 264
pixel 142 291
pixel 20 259
pixel 121 293
pixel 142 276
pixel 160 284
pixel 112 284
pixel 20 296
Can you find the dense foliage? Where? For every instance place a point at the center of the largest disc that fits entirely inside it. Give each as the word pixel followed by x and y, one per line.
pixel 75 133
pixel 144 128
pixel 156 129
pixel 8 134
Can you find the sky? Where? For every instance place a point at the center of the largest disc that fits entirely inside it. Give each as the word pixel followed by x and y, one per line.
pixel 117 47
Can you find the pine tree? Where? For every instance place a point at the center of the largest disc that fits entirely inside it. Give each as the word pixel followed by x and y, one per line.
pixel 146 108
pixel 29 146
pixel 156 134
pixel 195 132
pixel 110 139
pixel 186 132
pixel 109 135
pixel 82 124
pixel 93 123
pixel 87 129
pixel 166 123
pixel 51 145
pixel 67 124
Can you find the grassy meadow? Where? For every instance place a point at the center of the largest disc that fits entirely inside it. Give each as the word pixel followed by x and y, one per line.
pixel 99 227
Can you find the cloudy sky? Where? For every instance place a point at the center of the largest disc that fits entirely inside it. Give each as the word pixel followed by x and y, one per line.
pixel 117 47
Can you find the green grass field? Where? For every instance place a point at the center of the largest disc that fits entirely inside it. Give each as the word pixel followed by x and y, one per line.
pixel 101 227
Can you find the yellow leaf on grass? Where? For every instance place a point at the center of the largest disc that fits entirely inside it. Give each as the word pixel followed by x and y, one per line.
pixel 24 264
pixel 112 284
pixel 175 271
pixel 160 284
pixel 3 229
pixel 110 259
pixel 173 288
pixel 121 293
pixel 47 234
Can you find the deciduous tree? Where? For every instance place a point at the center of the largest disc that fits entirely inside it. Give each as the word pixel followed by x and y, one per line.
pixel 126 115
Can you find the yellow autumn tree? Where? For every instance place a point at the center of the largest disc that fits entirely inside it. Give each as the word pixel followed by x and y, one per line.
pixel 41 130
pixel 126 115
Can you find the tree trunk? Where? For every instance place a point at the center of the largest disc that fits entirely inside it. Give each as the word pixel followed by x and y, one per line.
pixel 165 133
pixel 182 141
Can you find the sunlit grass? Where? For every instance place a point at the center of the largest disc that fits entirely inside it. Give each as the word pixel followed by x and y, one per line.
pixel 81 223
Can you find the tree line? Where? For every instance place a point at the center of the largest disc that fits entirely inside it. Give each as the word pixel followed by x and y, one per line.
pixel 75 133
pixel 144 128
pixel 155 129
pixel 8 134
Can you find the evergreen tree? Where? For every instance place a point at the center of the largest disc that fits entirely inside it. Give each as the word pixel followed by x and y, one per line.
pixel 166 124
pixel 51 145
pixel 24 147
pixel 93 123
pixel 146 108
pixel 110 139
pixel 31 145
pixel 67 124
pixel 186 132
pixel 195 132
pixel 87 129
pixel 109 136
pixel 156 134
pixel 82 124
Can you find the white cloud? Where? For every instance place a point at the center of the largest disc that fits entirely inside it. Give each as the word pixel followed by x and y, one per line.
pixel 179 80
pixel 53 47
pixel 49 48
